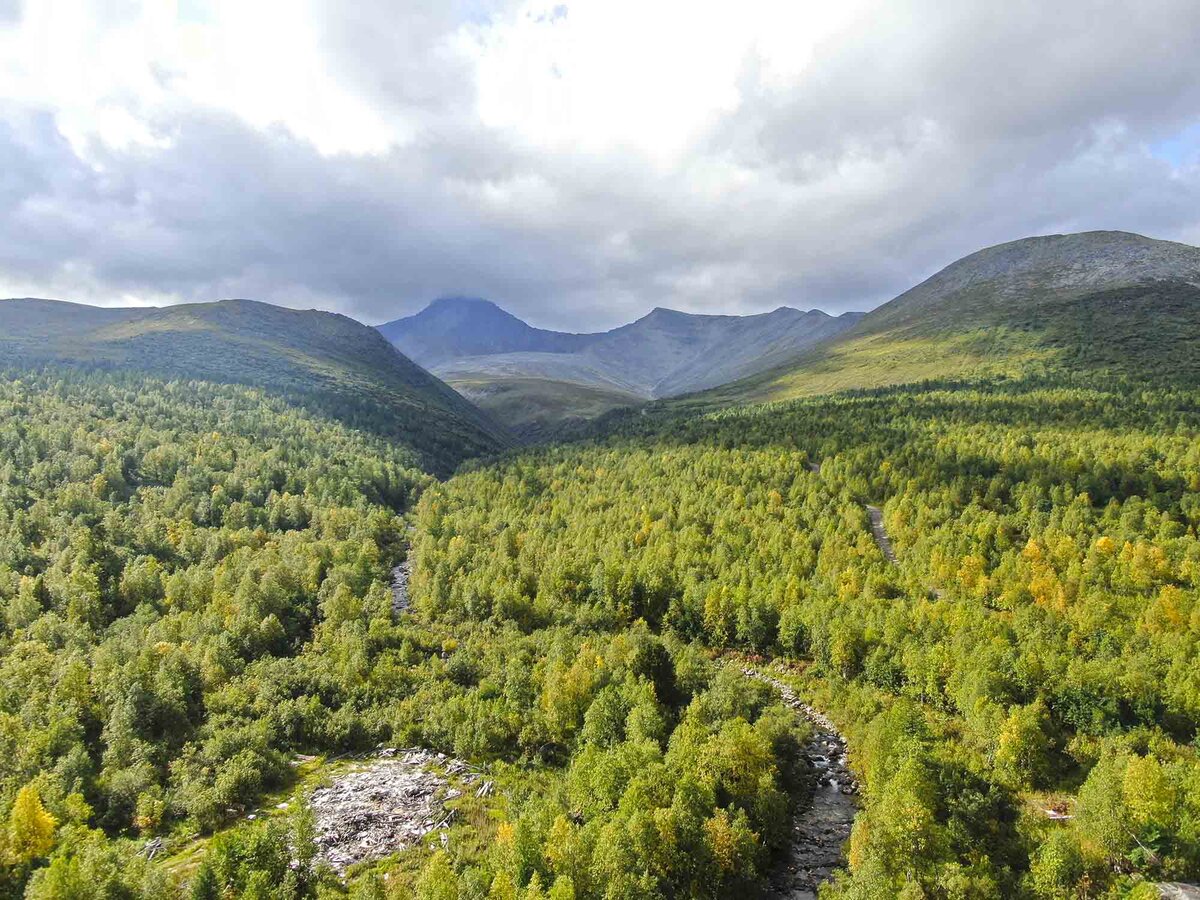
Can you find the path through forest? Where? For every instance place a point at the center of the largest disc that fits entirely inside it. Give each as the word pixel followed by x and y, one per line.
pixel 820 830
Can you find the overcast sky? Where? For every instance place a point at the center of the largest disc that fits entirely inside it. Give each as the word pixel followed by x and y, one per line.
pixel 577 162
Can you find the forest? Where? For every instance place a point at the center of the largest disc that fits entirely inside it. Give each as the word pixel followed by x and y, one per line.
pixel 194 586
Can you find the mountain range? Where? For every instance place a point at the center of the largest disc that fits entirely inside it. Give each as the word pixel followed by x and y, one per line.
pixel 1097 302
pixel 534 379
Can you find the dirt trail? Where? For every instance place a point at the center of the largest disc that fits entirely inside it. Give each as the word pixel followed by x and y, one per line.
pixel 885 543
pixel 821 829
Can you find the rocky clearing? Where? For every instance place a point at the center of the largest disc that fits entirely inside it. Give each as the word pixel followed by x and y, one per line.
pixel 389 804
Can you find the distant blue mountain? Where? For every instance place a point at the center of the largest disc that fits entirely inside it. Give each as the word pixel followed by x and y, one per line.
pixel 455 327
pixel 528 376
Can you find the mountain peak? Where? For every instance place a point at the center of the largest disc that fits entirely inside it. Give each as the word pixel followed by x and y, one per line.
pixel 977 287
pixel 1098 300
pixel 461 302
pixel 457 327
pixel 664 312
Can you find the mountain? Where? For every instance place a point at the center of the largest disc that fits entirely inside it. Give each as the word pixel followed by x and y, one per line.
pixel 675 353
pixel 325 361
pixel 1101 301
pixel 454 327
pixel 537 380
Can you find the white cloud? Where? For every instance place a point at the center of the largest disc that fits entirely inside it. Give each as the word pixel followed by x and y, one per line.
pixel 579 162
pixel 119 72
pixel 597 75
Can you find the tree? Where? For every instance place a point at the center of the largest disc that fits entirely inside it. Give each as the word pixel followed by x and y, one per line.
pixel 30 829
pixel 1023 747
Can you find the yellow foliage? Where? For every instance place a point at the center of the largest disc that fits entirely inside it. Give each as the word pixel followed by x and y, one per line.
pixel 723 841
pixel 503 888
pixel 1148 793
pixel 30 830
pixel 1168 612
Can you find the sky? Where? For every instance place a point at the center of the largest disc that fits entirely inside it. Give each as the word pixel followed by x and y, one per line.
pixel 578 162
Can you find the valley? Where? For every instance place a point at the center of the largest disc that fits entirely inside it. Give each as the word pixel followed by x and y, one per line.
pixel 820 829
pixel 248 552
pixel 541 381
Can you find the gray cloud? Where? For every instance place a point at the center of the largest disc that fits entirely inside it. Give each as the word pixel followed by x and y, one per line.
pixel 928 132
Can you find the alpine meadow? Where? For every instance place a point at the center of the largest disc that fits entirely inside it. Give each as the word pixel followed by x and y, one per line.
pixel 834 534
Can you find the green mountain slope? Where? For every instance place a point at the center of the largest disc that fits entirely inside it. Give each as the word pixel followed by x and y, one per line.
pixel 1105 301
pixel 324 361
pixel 540 409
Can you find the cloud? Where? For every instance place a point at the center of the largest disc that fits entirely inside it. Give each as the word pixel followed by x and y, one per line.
pixel 577 162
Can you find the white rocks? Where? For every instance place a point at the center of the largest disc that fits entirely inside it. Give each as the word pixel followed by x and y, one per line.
pixel 381 807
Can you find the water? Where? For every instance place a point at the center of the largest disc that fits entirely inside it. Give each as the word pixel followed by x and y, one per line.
pixel 819 831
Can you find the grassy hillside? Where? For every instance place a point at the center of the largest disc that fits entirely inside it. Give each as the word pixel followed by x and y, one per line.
pixel 324 361
pixel 538 409
pixel 1098 302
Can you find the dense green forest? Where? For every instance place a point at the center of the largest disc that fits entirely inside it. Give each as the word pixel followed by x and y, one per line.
pixel 194 585
pixel 1035 649
pixel 187 573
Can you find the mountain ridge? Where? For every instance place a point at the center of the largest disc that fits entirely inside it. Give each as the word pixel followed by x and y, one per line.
pixel 488 354
pixel 325 360
pixel 452 327
pixel 1006 309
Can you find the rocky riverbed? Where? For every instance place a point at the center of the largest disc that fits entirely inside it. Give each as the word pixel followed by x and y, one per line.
pixel 820 829
pixel 400 600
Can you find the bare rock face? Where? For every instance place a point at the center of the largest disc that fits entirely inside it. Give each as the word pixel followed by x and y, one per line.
pixel 386 805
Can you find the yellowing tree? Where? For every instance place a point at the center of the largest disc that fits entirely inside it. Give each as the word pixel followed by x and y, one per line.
pixel 30 827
